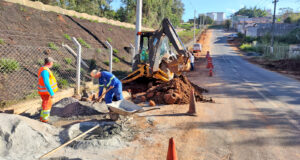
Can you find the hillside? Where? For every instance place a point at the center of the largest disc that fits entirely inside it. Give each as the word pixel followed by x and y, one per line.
pixel 28 35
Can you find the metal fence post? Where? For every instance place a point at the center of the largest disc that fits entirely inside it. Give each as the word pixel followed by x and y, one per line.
pixel 110 56
pixel 78 65
pixel 133 54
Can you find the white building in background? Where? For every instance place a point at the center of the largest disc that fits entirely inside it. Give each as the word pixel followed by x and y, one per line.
pixel 218 17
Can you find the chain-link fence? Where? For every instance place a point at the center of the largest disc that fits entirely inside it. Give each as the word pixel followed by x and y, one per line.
pixel 19 67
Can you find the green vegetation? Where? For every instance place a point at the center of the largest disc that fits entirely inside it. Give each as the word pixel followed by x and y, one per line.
pixel 123 57
pixel 40 62
pixel 246 47
pixel 94 21
pixel 289 16
pixel 67 37
pixel 32 95
pixel 68 61
pixel 98 50
pixel 116 60
pixel 227 24
pixel 110 29
pixel 187 35
pixel 106 63
pixel 56 66
pixel 62 83
pixel 251 12
pixel 216 26
pixel 93 64
pixel 109 39
pixel 153 11
pixel 186 26
pixel 115 50
pixel 23 9
pixel 53 46
pixel 2 41
pixel 8 65
pixel 82 42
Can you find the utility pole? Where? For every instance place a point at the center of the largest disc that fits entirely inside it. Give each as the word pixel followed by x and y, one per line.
pixel 273 25
pixel 138 26
pixel 203 20
pixel 194 26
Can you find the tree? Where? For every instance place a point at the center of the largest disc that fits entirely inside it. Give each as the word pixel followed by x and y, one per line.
pixel 154 11
pixel 288 20
pixel 207 19
pixel 227 24
pixel 251 12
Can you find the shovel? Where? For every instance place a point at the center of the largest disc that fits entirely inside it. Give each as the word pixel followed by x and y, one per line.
pixel 101 97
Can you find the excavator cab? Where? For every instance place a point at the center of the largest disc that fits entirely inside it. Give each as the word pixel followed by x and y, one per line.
pixel 156 58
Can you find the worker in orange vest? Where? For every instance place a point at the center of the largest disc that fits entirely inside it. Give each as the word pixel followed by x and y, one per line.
pixel 47 86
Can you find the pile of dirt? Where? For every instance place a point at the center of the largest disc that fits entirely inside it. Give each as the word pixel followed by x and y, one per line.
pixel 71 107
pixel 24 138
pixel 176 91
pixel 289 67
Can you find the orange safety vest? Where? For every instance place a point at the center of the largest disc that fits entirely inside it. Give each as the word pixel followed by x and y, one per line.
pixel 42 90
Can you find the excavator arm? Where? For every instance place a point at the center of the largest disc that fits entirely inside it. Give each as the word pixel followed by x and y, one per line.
pixel 156 53
pixel 160 63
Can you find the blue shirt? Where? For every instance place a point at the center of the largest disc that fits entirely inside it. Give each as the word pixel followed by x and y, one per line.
pixel 106 80
pixel 45 75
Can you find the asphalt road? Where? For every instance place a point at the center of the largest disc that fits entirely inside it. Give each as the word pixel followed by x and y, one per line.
pixel 257 112
pixel 255 116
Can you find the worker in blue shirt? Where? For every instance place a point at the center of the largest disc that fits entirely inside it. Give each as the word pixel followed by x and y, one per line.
pixel 109 81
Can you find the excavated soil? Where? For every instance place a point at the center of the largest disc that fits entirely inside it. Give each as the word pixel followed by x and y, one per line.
pixel 176 91
pixel 69 107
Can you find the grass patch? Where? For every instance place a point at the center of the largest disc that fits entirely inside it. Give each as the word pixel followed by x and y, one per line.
pixel 110 29
pixel 68 60
pixel 122 27
pixel 109 39
pixel 67 37
pixel 98 50
pixel 56 66
pixel 40 62
pixel 116 60
pixel 53 46
pixel 82 42
pixel 247 47
pixel 187 35
pixel 123 57
pixel 106 63
pixel 32 95
pixel 94 21
pixel 23 9
pixel 9 65
pixel 62 83
pixel 2 41
pixel 115 50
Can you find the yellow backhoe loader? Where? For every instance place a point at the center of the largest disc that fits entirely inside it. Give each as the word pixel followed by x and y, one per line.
pixel 156 59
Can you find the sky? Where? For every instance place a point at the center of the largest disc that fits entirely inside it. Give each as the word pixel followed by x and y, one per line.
pixel 227 6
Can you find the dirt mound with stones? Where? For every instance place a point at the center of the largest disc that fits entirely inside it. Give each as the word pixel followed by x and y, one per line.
pixel 25 138
pixel 176 91
pixel 70 107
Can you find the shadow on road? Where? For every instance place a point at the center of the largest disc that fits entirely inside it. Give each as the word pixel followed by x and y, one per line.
pixel 261 120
